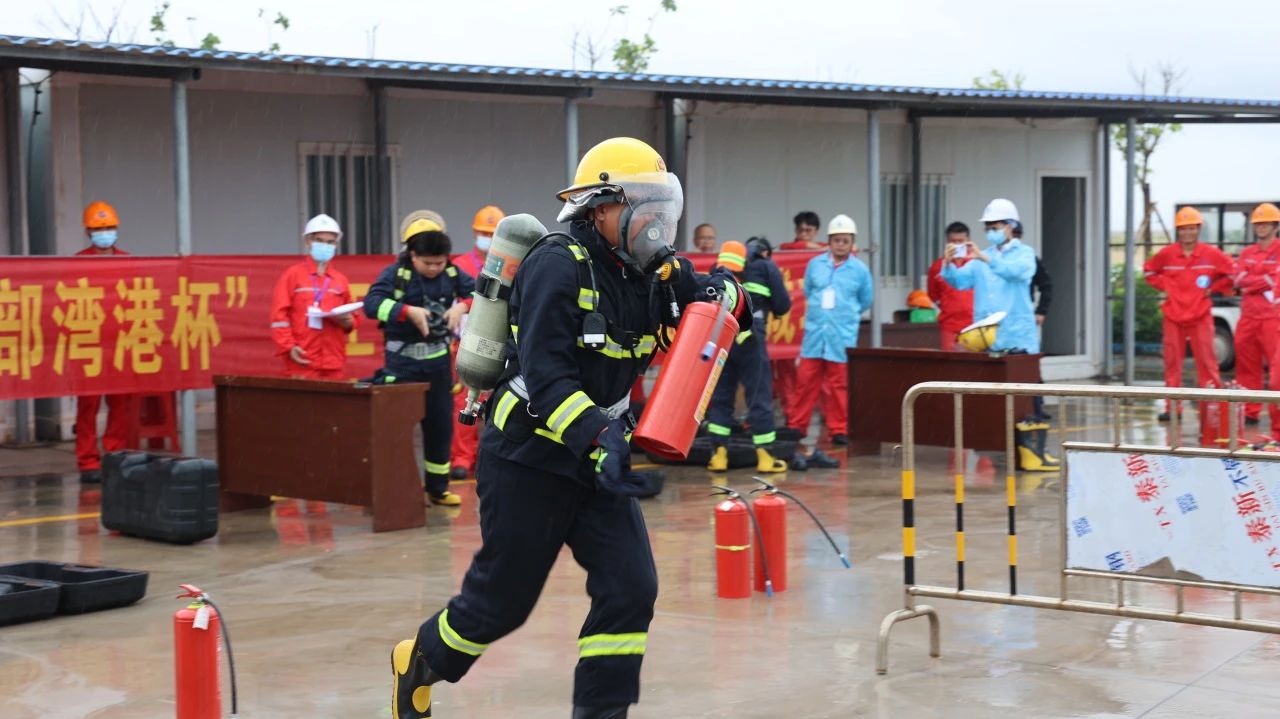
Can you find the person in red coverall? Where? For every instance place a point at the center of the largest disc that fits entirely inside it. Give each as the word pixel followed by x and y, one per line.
pixel 955 307
pixel 102 227
pixel 313 347
pixel 1256 273
pixel 807 224
pixel 466 438
pixel 1188 271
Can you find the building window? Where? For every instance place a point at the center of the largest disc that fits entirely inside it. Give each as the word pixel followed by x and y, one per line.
pixel 896 222
pixel 337 179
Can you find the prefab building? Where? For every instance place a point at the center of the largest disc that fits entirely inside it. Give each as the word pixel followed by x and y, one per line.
pixel 274 139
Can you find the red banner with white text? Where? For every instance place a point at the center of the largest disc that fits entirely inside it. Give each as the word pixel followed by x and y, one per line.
pixel 112 324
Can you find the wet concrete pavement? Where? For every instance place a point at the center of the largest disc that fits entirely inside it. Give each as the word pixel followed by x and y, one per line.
pixel 315 602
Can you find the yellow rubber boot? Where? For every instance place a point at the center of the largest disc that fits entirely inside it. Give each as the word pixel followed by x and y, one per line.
pixel 719 460
pixel 410 697
pixel 768 464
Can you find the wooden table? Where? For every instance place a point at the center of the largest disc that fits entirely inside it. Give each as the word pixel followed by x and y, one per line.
pixel 327 441
pixel 880 378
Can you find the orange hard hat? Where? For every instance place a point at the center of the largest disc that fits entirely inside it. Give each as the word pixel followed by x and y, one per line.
pixel 1187 217
pixel 100 215
pixel 919 298
pixel 1266 212
pixel 733 256
pixel 487 219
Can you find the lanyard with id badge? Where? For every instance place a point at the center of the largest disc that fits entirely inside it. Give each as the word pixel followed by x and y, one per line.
pixel 314 320
pixel 828 296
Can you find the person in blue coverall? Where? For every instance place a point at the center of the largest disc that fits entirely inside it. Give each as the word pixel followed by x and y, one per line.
pixel 1001 282
pixel 837 289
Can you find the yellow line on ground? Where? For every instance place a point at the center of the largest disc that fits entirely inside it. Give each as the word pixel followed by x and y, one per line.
pixel 45 520
pixel 645 466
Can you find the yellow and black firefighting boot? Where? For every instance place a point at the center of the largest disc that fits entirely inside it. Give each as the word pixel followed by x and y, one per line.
pixel 719 459
pixel 411 683
pixel 1031 437
pixel 766 463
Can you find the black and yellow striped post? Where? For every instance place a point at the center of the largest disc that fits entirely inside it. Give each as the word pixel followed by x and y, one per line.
pixel 959 460
pixel 1011 492
pixel 908 526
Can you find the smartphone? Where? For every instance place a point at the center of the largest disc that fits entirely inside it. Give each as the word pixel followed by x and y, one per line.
pixel 961 251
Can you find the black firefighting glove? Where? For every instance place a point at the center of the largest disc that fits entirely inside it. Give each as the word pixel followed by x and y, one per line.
pixel 613 463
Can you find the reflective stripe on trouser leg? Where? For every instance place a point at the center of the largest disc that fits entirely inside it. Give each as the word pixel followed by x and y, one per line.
pixel 757 386
pixel 437 430
pixel 609 540
pixel 525 516
pixel 720 409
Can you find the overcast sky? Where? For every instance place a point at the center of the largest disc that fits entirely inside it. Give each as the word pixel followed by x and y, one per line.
pixel 1228 48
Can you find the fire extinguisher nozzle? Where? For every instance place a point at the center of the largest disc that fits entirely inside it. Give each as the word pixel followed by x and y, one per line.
pixel 768 588
pixel 845 561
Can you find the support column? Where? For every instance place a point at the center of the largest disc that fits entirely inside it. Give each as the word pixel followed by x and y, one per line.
pixel 1130 301
pixel 15 209
pixel 874 244
pixel 382 240
pixel 917 252
pixel 1108 357
pixel 570 137
pixel 182 194
pixel 677 157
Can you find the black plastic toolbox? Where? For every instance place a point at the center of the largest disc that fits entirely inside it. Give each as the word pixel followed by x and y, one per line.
pixel 83 589
pixel 172 499
pixel 23 599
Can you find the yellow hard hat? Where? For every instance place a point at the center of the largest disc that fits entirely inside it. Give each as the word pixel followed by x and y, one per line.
pixel 613 161
pixel 421 221
pixel 981 335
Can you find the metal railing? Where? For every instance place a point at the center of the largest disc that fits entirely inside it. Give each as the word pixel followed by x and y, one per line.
pixel 1117 396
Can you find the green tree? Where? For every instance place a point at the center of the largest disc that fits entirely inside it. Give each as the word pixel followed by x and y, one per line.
pixel 1145 144
pixel 999 80
pixel 631 56
pixel 210 41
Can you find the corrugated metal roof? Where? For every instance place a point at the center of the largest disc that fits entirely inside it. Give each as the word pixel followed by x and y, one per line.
pixel 52 50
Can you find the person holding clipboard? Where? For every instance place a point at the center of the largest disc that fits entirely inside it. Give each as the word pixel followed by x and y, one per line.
pixel 311 308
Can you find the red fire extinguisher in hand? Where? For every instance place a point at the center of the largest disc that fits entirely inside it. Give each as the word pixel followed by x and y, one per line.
pixel 196 631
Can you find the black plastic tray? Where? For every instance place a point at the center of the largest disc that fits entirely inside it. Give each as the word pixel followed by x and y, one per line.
pixel 83 588
pixel 23 599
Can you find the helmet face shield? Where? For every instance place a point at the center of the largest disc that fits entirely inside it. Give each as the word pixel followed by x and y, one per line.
pixel 654 203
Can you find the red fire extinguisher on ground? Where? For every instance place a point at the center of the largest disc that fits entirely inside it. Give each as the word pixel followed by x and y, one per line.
pixel 689 375
pixel 771 513
pixel 197 629
pixel 1215 420
pixel 733 543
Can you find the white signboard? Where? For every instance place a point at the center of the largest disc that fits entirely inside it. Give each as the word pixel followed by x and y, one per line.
pixel 1194 518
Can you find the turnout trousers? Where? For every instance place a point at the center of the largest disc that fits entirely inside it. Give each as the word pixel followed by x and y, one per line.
pixel 748 366
pixel 526 516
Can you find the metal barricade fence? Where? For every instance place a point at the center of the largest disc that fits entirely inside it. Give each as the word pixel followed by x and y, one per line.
pixel 1117 396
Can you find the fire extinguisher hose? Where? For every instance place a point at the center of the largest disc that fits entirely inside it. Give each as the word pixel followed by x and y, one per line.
pixel 773 489
pixel 755 524
pixel 231 662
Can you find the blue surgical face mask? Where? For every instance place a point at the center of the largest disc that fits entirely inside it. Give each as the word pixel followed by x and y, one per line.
pixel 995 236
pixel 323 251
pixel 102 239
pixel 483 242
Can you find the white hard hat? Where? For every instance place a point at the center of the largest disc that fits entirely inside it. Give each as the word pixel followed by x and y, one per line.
pixel 322 223
pixel 841 225
pixel 1000 210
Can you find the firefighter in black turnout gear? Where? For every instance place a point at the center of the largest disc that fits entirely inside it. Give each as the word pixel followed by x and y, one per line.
pixel 748 362
pixel 586 312
pixel 418 302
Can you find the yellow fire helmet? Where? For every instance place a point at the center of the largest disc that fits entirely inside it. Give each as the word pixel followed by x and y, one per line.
pixel 981 335
pixel 420 221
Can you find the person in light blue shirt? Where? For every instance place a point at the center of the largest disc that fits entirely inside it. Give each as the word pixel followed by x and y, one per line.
pixel 1000 279
pixel 837 289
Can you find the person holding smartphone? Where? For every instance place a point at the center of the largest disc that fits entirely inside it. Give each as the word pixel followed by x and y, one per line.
pixel 955 306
